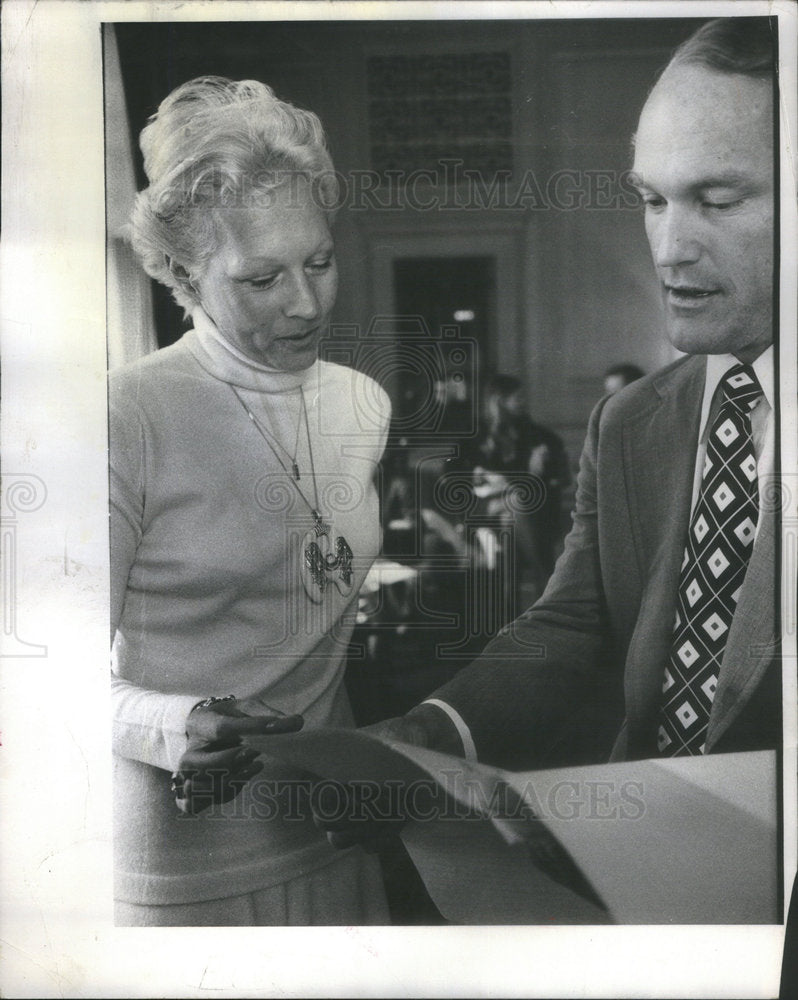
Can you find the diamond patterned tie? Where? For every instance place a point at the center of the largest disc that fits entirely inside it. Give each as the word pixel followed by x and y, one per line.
pixel 719 545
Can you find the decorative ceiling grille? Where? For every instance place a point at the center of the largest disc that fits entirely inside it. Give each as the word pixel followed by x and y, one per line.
pixel 427 108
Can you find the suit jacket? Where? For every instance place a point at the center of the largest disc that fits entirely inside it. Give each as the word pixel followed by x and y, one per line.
pixel 578 676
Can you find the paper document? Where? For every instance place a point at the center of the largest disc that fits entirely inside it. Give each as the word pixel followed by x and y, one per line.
pixel 685 840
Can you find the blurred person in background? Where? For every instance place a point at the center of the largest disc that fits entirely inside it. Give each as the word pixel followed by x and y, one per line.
pixel 619 376
pixel 520 471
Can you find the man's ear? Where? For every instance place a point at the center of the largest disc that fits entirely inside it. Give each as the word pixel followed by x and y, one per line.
pixel 180 274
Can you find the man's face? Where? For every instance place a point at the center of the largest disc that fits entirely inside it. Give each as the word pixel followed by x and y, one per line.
pixel 704 167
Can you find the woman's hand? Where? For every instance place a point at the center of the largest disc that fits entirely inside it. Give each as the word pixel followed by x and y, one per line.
pixel 215 766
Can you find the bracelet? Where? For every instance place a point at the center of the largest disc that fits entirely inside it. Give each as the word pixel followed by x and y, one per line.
pixel 207 702
pixel 179 778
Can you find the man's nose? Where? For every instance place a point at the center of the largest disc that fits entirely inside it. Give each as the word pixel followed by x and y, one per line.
pixel 675 237
pixel 302 301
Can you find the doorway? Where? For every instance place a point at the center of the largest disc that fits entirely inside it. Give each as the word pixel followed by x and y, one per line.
pixel 450 302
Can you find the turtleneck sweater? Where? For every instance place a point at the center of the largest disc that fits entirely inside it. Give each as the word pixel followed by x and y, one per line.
pixel 207 533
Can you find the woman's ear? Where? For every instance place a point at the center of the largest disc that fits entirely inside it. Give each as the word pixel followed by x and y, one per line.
pixel 180 274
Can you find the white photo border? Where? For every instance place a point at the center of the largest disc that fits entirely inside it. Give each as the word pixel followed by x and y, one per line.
pixel 56 844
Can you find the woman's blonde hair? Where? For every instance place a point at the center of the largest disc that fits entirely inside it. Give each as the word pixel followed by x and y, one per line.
pixel 215 142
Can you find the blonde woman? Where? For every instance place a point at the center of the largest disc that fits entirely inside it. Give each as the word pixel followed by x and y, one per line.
pixel 244 518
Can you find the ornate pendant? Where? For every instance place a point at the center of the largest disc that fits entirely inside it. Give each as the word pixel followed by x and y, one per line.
pixel 321 565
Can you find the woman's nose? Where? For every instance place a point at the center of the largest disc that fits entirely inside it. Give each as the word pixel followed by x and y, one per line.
pixel 302 300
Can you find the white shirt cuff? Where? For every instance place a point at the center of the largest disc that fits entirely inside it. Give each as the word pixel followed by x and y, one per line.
pixel 469 750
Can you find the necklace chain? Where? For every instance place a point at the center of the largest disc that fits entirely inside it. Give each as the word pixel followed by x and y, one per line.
pixel 271 440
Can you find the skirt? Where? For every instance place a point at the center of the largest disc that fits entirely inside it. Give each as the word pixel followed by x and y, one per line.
pixel 346 892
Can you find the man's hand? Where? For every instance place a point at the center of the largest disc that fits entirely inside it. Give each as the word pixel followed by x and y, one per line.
pixel 215 766
pixel 426 725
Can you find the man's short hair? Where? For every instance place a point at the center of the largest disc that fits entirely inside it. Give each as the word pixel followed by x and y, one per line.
pixel 744 45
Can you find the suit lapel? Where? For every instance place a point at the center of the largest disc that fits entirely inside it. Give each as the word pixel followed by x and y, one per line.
pixel 750 647
pixel 660 442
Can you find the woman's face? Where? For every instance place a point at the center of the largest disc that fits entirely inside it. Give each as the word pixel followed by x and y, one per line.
pixel 271 285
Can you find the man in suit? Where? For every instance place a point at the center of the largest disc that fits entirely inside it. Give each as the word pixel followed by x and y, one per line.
pixel 645 643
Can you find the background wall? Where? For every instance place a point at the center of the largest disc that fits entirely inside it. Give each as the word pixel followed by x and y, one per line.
pixel 574 287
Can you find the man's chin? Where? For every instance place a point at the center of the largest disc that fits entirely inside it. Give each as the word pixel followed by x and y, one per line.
pixel 693 338
pixel 689 340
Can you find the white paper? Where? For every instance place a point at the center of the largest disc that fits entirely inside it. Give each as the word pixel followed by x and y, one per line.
pixel 692 840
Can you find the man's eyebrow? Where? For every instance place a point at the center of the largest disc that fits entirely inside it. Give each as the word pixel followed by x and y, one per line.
pixel 731 179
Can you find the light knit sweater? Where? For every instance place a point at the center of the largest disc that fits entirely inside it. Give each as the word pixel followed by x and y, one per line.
pixel 207 530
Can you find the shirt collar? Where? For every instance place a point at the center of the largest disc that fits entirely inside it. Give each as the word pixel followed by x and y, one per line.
pixel 719 364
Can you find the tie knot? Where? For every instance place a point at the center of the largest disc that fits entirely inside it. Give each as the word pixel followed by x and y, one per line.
pixel 741 387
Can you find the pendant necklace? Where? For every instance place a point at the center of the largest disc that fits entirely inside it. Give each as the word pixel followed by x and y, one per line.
pixel 320 565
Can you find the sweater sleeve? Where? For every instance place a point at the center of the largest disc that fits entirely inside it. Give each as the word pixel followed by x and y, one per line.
pixel 126 475
pixel 147 725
